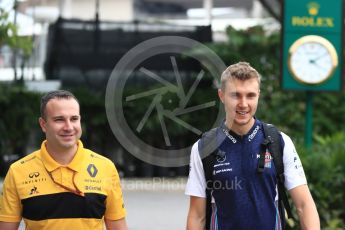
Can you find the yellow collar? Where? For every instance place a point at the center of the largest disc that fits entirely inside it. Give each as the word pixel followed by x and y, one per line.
pixel 50 164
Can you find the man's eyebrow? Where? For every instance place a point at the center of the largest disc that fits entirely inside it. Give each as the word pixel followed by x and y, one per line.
pixel 56 117
pixel 59 117
pixel 252 93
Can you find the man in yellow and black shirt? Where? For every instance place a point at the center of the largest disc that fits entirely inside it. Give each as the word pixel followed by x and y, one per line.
pixel 62 185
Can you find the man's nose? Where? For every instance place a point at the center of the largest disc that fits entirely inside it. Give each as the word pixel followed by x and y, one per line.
pixel 242 102
pixel 68 125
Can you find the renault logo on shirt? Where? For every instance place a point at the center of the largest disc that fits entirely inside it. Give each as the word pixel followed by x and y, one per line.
pixel 92 170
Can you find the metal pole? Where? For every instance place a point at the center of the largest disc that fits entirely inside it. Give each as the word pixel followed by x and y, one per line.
pixel 97 35
pixel 308 133
pixel 14 49
pixel 97 11
pixel 34 47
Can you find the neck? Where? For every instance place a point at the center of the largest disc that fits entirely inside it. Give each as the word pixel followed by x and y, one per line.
pixel 61 155
pixel 240 129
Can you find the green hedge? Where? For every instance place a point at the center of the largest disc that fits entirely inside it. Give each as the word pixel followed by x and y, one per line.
pixel 324 166
pixel 19 116
pixel 19 112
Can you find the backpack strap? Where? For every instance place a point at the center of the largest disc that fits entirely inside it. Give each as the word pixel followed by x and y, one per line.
pixel 208 149
pixel 273 141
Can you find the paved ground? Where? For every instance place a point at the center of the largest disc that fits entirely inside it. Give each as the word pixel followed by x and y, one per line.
pixel 156 210
pixel 154 204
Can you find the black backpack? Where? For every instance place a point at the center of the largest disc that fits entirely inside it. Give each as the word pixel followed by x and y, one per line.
pixel 208 149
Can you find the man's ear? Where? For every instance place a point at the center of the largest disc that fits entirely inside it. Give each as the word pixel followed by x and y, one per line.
pixel 221 95
pixel 42 123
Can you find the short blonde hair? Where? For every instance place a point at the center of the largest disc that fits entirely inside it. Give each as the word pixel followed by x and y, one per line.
pixel 241 71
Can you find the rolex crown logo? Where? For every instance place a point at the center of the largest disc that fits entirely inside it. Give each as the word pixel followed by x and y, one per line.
pixel 313 8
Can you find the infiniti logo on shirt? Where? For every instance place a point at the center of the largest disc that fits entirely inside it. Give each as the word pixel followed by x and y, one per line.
pixel 34 174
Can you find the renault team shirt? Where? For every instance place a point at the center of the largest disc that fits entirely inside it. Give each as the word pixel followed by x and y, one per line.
pixel 242 198
pixel 50 196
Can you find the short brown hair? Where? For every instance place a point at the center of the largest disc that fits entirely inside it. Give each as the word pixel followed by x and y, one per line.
pixel 241 71
pixel 60 94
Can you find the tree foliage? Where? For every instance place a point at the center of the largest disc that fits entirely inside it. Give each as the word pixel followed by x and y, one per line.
pixel 9 35
pixel 7 29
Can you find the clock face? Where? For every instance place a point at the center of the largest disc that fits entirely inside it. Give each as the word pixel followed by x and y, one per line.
pixel 312 59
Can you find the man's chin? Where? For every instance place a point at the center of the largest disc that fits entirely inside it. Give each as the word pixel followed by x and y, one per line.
pixel 241 122
pixel 68 144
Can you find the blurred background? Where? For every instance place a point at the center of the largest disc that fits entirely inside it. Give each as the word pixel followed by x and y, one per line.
pixel 75 45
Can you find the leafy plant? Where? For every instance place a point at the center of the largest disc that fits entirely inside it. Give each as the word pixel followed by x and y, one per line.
pixel 7 29
pixel 324 166
pixel 9 34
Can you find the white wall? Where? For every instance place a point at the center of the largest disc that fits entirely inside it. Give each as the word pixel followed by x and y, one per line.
pixel 114 10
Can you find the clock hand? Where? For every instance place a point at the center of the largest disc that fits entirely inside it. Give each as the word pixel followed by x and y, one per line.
pixel 313 61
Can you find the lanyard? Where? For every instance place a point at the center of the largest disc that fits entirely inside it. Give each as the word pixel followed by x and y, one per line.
pixel 74 190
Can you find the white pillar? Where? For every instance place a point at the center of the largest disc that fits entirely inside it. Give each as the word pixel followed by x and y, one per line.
pixel 65 8
pixel 208 5
pixel 257 9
